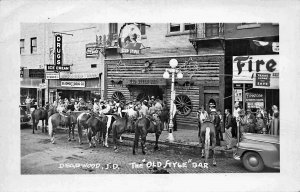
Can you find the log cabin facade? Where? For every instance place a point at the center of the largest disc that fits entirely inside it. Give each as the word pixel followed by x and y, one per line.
pixel 138 77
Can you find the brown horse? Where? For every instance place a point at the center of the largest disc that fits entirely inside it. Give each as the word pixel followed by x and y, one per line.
pixel 72 122
pixel 96 124
pixel 82 124
pixel 143 126
pixel 121 126
pixel 164 117
pixel 36 116
pixel 208 135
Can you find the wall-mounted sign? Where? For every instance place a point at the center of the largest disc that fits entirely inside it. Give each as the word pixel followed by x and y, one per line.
pixel 92 50
pixel 37 73
pixel 42 85
pixel 22 72
pixel 254 100
pixel 73 83
pixel 238 94
pixel 58 50
pixel 245 69
pixel 58 68
pixel 52 75
pixel 144 81
pixel 131 39
pixel 262 79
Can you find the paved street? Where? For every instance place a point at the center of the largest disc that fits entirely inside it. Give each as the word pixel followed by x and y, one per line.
pixel 39 156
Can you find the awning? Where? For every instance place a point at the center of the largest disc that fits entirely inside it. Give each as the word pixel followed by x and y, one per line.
pixel 79 75
pixel 30 83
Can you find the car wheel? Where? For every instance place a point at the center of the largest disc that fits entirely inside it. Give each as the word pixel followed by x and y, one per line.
pixel 253 162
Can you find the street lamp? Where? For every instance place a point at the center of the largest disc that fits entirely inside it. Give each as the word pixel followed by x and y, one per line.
pixel 173 63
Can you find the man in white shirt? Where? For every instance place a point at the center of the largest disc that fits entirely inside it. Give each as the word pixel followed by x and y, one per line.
pixel 236 110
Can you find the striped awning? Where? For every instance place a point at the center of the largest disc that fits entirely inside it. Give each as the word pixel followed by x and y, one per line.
pixel 79 75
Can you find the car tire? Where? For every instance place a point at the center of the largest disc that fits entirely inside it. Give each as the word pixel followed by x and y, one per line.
pixel 252 161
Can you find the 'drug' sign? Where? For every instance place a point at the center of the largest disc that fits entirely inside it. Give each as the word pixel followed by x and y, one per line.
pixel 58 50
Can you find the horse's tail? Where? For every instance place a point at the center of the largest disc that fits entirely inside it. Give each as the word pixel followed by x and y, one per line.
pixel 207 136
pixel 50 126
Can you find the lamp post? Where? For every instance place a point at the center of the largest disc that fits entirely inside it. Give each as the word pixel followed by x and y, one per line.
pixel 173 63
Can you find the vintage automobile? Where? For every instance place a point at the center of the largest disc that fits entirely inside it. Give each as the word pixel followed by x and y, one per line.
pixel 257 151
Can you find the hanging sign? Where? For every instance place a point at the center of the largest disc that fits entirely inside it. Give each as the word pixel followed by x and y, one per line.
pixel 254 100
pixel 131 39
pixel 253 68
pixel 52 75
pixel 58 50
pixel 73 83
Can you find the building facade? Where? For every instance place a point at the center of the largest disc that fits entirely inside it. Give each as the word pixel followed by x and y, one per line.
pixel 82 64
pixel 137 74
pixel 252 65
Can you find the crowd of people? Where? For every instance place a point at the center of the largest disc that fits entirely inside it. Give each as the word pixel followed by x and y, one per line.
pixel 135 109
pixel 259 122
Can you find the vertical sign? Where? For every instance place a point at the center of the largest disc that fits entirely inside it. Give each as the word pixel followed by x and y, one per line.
pixel 58 50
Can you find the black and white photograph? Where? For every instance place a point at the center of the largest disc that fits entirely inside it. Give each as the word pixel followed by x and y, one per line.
pixel 134 100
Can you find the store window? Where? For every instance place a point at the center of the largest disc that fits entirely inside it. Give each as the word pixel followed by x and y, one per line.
pixel 113 28
pixel 33 45
pixel 142 28
pixel 183 104
pixel 174 27
pixel 189 26
pixel 180 28
pixel 211 29
pixel 22 46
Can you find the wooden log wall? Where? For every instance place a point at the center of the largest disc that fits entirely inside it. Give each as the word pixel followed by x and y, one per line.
pixel 202 71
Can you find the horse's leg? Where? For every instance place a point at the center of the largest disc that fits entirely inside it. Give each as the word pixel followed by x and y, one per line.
pixel 213 148
pixel 79 133
pixel 136 140
pixel 69 139
pixel 156 141
pixel 115 136
pixel 33 122
pixel 73 127
pixel 42 126
pixel 106 137
pixel 121 141
pixel 89 135
pixel 52 126
pixel 143 143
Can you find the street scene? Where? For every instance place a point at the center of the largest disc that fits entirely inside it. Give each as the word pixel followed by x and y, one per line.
pixel 149 98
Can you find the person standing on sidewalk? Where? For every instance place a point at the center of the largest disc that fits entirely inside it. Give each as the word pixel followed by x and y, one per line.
pixel 236 110
pixel 228 127
pixel 216 121
pixel 221 124
pixel 28 104
pixel 201 116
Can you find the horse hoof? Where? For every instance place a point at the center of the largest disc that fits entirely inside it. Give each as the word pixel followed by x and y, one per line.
pixel 69 139
pixel 144 153
pixel 155 148
pixel 133 153
pixel 116 150
pixel 121 141
pixel 214 164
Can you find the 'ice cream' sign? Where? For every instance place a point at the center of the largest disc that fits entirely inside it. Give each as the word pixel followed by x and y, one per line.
pixel 263 68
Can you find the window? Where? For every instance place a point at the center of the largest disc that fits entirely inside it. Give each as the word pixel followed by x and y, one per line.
pixel 33 45
pixel 93 65
pixel 211 29
pixel 142 28
pixel 113 28
pixel 22 46
pixel 174 27
pixel 189 26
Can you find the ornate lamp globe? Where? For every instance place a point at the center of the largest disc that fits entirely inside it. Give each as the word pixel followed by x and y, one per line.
pixel 179 75
pixel 166 75
pixel 173 63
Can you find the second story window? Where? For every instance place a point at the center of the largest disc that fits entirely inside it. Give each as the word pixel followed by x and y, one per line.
pixel 189 26
pixel 22 46
pixel 142 28
pixel 211 29
pixel 113 28
pixel 174 27
pixel 33 45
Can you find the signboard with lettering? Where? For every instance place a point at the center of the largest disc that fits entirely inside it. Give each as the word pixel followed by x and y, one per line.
pixel 92 50
pixel 254 100
pixel 73 83
pixel 58 68
pixel 238 94
pixel 246 68
pixel 37 73
pixel 58 50
pixel 52 75
pixel 131 39
pixel 144 81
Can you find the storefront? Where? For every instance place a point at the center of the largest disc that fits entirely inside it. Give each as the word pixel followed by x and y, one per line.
pixel 77 85
pixel 256 81
pixel 141 78
pixel 32 85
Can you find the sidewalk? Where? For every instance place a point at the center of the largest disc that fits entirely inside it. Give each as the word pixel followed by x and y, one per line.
pixel 182 137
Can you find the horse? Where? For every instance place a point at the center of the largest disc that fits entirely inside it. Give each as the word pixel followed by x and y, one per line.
pixel 110 120
pixel 82 124
pixel 36 116
pixel 72 122
pixel 143 126
pixel 120 126
pixel 208 135
pixel 164 117
pixel 61 119
pixel 96 124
